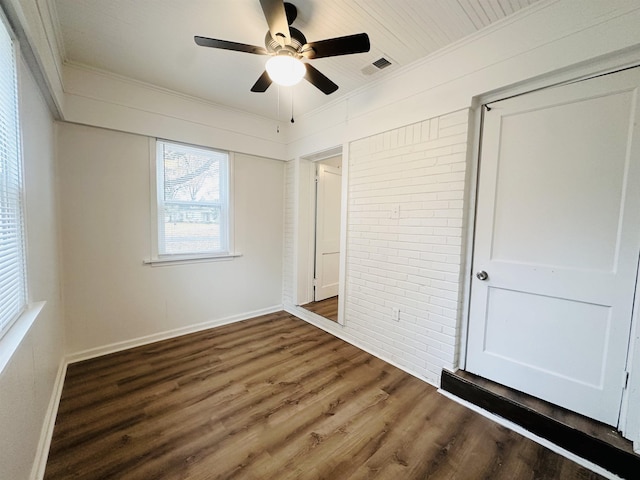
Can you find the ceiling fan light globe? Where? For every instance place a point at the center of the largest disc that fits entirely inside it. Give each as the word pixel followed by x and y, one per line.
pixel 285 70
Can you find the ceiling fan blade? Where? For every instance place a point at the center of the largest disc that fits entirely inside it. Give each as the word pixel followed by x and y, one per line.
pixel 226 45
pixel 317 79
pixel 276 16
pixel 262 83
pixel 332 47
pixel 291 11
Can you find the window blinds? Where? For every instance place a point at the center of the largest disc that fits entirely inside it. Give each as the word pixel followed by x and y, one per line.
pixel 12 265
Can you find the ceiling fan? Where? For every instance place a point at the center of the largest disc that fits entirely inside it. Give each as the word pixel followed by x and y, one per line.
pixel 287 47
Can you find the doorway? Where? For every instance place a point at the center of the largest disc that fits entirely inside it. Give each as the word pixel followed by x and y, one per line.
pixel 327 228
pixel 326 237
pixel 556 245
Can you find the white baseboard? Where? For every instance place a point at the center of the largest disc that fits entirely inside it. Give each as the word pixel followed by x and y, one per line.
pixel 532 436
pixel 337 330
pixel 156 337
pixel 46 434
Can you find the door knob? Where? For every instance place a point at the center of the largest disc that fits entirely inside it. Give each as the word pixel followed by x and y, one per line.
pixel 482 275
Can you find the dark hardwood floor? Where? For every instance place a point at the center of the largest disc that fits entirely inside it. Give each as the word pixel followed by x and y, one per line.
pixel 275 398
pixel 327 308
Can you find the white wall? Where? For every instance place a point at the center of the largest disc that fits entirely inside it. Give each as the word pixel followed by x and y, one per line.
pixel 101 99
pixel 561 38
pixel 28 382
pixel 413 262
pixel 547 37
pixel 112 299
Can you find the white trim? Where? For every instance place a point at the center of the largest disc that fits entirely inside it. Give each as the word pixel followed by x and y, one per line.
pixel 572 74
pixel 227 227
pixel 156 337
pixel 231 201
pixel 304 230
pixel 46 434
pixel 33 57
pixel 336 330
pixel 174 93
pixel 324 154
pixel 629 421
pixel 307 251
pixel 162 261
pixel 47 18
pixel 344 226
pixel 295 192
pixel 56 27
pixel 310 251
pixel 153 199
pixel 471 188
pixel 307 276
pixel 531 436
pixel 17 332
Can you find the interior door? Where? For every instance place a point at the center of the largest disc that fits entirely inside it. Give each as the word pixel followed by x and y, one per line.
pixel 327 262
pixel 556 243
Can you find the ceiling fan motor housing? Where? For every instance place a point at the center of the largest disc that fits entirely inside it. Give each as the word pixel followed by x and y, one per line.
pixel 298 40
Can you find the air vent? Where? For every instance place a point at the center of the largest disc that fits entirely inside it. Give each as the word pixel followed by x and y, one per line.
pixel 376 66
pixel 381 63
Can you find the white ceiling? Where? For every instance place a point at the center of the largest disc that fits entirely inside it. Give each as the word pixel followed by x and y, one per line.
pixel 152 41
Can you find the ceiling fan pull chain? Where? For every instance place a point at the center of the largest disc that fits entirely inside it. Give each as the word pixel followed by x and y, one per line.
pixel 278 111
pixel 292 120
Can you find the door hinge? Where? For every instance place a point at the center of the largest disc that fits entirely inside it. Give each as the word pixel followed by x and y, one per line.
pixel 626 380
pixel 315 282
pixel 317 179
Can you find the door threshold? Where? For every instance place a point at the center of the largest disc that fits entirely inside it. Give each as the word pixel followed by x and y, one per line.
pixel 327 308
pixel 587 438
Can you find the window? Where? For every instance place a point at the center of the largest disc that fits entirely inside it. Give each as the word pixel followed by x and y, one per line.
pixel 13 297
pixel 193 192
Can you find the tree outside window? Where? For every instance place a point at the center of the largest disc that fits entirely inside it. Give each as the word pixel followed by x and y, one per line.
pixel 193 200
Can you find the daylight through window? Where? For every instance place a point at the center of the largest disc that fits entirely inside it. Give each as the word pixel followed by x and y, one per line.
pixel 193 200
pixel 12 256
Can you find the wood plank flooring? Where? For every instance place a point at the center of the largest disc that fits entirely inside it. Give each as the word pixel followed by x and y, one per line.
pixel 575 421
pixel 327 308
pixel 275 398
pixel 587 438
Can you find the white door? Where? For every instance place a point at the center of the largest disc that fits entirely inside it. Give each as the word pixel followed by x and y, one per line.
pixel 328 198
pixel 558 235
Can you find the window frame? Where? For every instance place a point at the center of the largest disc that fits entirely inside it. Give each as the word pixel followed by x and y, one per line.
pixel 157 201
pixel 8 329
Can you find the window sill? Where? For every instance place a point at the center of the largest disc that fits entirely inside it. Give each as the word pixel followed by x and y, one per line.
pixel 182 259
pixel 13 338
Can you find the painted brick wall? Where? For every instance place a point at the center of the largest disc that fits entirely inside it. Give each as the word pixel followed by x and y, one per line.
pixel 412 262
pixel 404 242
